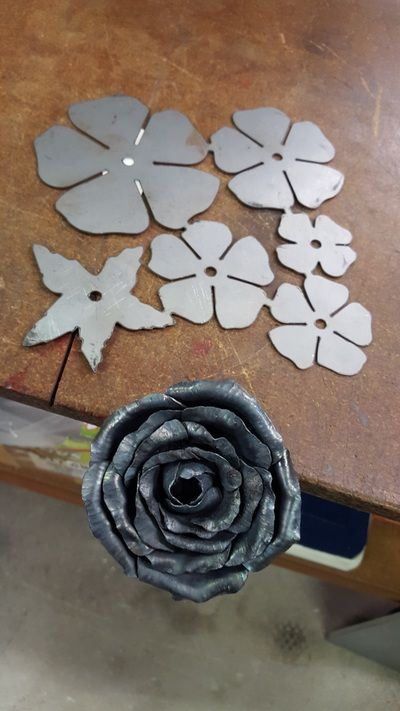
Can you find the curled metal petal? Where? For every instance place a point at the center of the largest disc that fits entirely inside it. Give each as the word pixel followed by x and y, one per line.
pixel 222 420
pixel 229 395
pixel 197 587
pixel 126 421
pixel 248 545
pixel 100 521
pixel 191 490
pixel 116 501
pixel 287 513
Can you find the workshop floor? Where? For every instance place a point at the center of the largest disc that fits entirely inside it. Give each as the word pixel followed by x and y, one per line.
pixel 74 633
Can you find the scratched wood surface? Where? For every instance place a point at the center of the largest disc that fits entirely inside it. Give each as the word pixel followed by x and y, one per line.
pixel 334 63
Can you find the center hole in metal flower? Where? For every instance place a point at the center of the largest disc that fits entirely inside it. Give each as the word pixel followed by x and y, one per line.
pixel 186 490
pixel 277 156
pixel 95 295
pixel 210 271
pixel 316 243
pixel 128 161
pixel 320 323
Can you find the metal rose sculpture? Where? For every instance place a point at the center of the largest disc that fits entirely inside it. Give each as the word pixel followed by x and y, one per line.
pixel 192 489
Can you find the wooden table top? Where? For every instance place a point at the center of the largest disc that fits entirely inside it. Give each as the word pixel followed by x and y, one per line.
pixel 335 63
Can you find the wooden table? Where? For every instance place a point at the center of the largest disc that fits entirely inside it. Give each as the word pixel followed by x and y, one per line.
pixel 335 63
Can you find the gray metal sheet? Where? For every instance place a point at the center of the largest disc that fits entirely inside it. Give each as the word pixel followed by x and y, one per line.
pixel 322 328
pixel 377 639
pixel 275 163
pixel 205 267
pixel 93 304
pixel 122 167
pixel 323 244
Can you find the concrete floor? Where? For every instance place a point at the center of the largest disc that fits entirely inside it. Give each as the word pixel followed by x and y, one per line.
pixel 76 634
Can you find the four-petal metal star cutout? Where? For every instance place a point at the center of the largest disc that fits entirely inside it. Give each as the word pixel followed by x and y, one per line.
pixel 93 304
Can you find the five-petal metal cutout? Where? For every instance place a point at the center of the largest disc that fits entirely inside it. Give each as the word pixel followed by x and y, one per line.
pixel 325 243
pixel 205 265
pixel 275 162
pixel 92 303
pixel 122 160
pixel 327 331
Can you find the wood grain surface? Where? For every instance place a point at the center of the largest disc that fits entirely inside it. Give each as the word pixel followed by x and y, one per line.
pixel 335 63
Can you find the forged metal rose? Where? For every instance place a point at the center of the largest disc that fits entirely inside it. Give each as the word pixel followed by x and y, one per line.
pixel 192 489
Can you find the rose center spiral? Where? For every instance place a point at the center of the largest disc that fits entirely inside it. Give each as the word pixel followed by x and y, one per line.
pixel 186 490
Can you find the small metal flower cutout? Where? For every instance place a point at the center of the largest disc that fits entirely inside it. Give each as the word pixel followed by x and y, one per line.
pixel 120 161
pixel 204 264
pixel 327 331
pixel 275 162
pixel 93 304
pixel 325 243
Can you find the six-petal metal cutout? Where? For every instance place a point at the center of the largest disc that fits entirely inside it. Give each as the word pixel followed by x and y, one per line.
pixel 92 303
pixel 274 162
pixel 120 160
pixel 325 243
pixel 326 331
pixel 208 263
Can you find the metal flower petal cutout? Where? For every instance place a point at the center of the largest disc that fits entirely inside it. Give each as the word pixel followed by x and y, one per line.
pixel 206 267
pixel 329 332
pixel 275 162
pixel 325 243
pixel 92 303
pixel 122 160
